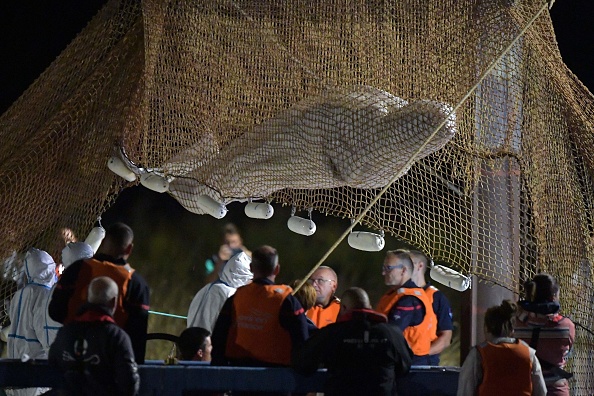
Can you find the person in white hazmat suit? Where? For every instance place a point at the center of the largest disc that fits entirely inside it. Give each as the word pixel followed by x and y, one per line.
pixel 72 252
pixel 207 303
pixel 26 336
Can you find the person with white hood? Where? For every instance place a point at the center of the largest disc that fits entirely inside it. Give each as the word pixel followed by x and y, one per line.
pixel 72 252
pixel 207 303
pixel 26 336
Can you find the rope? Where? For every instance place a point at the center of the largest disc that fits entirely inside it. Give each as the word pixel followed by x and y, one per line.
pixel 483 76
pixel 167 314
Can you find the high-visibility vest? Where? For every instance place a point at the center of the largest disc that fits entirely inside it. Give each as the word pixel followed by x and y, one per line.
pixel 256 333
pixel 419 337
pixel 92 268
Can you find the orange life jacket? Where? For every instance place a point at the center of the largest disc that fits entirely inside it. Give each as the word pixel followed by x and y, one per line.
pixel 507 369
pixel 321 316
pixel 430 291
pixel 92 268
pixel 419 337
pixel 255 332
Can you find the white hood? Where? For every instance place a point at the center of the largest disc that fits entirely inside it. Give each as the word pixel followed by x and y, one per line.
pixel 40 267
pixel 236 272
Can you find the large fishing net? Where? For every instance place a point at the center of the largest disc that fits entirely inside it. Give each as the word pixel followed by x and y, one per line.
pixel 462 108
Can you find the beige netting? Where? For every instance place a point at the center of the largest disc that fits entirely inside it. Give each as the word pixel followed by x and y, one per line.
pixel 319 104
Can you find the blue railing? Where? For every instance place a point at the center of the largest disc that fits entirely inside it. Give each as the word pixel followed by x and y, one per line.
pixel 159 379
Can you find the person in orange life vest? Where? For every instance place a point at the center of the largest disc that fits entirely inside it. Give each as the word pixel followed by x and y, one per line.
pixel 407 306
pixel 262 322
pixel 110 260
pixel 502 365
pixel 325 311
pixel 194 343
pixel 440 304
pixel 540 325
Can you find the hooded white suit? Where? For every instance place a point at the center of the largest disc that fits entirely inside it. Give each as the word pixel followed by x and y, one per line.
pixel 207 303
pixel 27 316
pixel 74 251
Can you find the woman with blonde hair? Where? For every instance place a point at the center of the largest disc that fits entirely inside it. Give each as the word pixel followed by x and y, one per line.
pixel 307 297
pixel 502 365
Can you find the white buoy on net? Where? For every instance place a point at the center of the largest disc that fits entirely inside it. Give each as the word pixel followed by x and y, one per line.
pixel 366 241
pixel 259 210
pixel 117 166
pixel 301 226
pixel 450 278
pixel 95 238
pixel 154 182
pixel 212 207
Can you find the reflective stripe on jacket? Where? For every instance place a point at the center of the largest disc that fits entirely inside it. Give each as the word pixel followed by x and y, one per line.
pixel 256 333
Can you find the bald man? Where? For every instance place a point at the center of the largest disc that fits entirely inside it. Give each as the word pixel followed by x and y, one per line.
pixel 325 311
pixel 94 353
pixel 363 353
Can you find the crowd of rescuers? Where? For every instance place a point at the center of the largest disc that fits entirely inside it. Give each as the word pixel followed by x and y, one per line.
pixel 244 318
pixel 246 311
pixel 91 322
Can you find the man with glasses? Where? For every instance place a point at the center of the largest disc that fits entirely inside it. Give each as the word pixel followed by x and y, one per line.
pixel 407 306
pixel 327 306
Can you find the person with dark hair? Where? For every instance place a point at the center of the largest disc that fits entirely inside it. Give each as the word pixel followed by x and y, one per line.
pixel 94 353
pixel 110 260
pixel 407 306
pixel 231 245
pixel 364 355
pixel 439 302
pixel 306 295
pixel 502 365
pixel 262 322
pixel 325 310
pixel 540 324
pixel 194 343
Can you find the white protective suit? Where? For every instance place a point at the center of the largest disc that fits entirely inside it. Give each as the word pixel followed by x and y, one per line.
pixel 207 303
pixel 27 319
pixel 74 251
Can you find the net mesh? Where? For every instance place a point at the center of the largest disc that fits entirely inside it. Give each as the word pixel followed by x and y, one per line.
pixel 465 105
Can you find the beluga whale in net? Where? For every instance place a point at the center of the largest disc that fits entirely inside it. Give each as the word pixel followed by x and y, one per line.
pixel 359 137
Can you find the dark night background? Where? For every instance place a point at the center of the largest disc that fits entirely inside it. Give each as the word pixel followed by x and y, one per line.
pixel 171 243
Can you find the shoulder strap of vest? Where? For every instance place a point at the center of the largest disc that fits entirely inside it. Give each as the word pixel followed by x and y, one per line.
pixel 546 365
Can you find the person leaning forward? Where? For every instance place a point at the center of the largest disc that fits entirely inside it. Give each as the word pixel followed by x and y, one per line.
pixel 262 322
pixel 408 306
pixel 110 260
